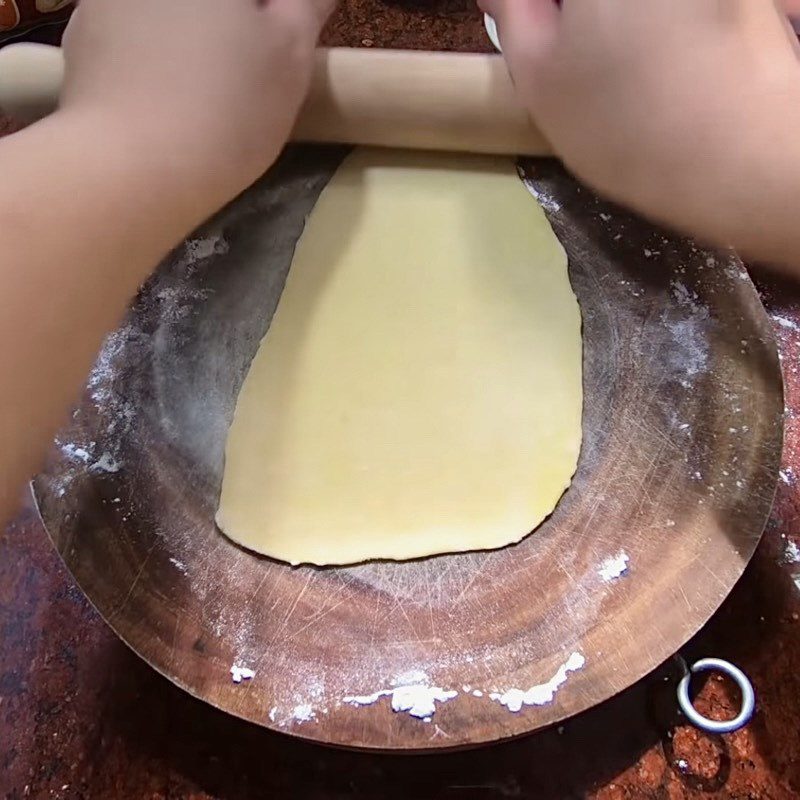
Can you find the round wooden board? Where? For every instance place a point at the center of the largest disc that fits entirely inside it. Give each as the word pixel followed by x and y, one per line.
pixel 683 430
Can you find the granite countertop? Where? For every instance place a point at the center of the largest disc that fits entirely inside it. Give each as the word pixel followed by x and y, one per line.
pixel 82 717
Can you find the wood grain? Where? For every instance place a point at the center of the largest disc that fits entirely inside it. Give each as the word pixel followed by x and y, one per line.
pixel 682 425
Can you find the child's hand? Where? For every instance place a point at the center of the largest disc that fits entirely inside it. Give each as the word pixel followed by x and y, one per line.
pixel 215 85
pixel 684 109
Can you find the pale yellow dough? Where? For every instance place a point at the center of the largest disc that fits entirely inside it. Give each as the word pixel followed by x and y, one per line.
pixel 419 390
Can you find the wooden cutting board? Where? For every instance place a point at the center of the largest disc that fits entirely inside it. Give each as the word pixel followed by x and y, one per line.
pixel 682 439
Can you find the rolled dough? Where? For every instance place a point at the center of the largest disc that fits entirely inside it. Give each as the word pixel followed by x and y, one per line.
pixel 419 390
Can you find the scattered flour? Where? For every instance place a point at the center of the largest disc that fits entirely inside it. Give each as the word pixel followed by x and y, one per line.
pixel 180 566
pixel 107 463
pixel 75 453
pixel 239 673
pixel 197 250
pixel 546 200
pixel 117 412
pixel 614 566
pixel 420 700
pixel 84 454
pixel 684 295
pixel 541 695
pixel 417 700
pixel 791 553
pixel 690 356
pixel 303 713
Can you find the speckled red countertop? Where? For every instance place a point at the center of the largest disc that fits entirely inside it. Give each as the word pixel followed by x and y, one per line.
pixel 82 717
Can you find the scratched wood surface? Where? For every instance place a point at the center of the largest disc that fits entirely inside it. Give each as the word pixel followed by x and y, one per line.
pixel 683 430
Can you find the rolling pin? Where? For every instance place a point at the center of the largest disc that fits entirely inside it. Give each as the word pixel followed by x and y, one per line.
pixel 387 98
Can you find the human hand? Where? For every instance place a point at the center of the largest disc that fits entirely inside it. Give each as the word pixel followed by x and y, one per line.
pixel 683 109
pixel 216 88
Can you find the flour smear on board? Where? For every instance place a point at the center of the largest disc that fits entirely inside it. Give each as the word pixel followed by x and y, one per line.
pixel 542 694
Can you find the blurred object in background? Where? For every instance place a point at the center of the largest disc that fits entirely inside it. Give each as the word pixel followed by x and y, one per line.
pixel 19 17
pixel 409 24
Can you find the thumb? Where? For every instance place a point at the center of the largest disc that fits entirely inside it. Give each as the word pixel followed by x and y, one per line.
pixel 527 28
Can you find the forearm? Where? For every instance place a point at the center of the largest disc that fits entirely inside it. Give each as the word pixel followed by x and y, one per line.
pixel 86 212
pixel 744 192
pixel 763 222
pixel 686 111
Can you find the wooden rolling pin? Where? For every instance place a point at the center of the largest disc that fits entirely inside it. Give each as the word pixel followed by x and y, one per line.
pixel 389 98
